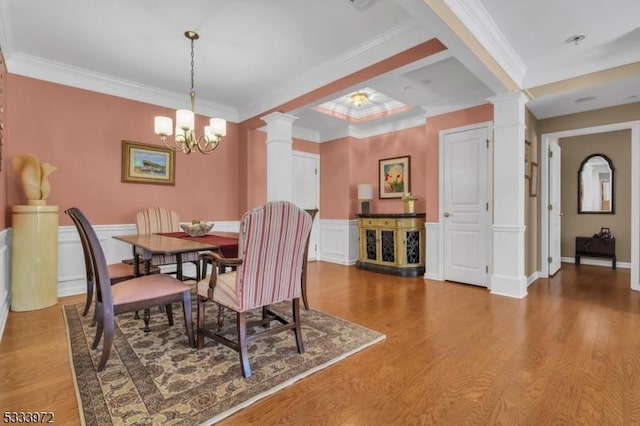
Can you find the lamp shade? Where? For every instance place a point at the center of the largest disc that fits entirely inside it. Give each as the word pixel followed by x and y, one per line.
pixel 163 126
pixel 365 191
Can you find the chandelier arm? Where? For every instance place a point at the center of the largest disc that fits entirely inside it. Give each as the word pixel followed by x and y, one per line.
pixel 207 146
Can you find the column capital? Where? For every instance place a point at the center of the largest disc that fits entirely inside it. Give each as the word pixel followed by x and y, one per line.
pixel 278 117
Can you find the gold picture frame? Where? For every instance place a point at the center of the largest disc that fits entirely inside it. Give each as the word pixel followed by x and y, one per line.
pixel 146 163
pixel 394 177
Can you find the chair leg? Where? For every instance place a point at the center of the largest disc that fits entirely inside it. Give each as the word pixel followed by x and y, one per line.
pixel 106 344
pixel 87 304
pixel 197 263
pixel 220 317
pixel 169 309
pixel 188 321
pixel 242 343
pixel 200 318
pixel 304 290
pixel 99 325
pixel 298 329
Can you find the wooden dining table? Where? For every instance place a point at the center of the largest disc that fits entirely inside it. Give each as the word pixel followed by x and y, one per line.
pixel 177 243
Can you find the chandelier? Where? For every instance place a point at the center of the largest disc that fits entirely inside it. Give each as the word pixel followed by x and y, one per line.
pixel 359 99
pixel 186 139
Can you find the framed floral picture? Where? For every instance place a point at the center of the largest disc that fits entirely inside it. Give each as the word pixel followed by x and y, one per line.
pixel 394 177
pixel 145 163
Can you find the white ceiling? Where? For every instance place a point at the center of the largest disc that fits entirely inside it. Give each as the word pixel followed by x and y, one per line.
pixel 254 55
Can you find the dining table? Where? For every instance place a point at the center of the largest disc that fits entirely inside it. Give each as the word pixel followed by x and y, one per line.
pixel 176 243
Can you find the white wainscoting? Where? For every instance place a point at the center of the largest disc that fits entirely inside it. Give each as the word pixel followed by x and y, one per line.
pixel 5 277
pixel 338 241
pixel 433 266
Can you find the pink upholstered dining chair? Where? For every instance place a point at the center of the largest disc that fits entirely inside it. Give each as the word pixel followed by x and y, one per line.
pixel 271 250
pixel 128 296
pixel 158 220
pixel 118 272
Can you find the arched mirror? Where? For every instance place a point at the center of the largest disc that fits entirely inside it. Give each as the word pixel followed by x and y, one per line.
pixel 595 185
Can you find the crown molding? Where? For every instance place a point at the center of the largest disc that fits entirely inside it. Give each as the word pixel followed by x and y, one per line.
pixel 478 21
pixel 306 134
pixel 300 133
pixel 55 72
pixel 397 39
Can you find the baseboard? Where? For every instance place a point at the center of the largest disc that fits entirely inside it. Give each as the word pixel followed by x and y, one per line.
pixel 596 262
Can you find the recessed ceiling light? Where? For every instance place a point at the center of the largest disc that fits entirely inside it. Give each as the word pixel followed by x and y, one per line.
pixel 575 39
pixel 585 99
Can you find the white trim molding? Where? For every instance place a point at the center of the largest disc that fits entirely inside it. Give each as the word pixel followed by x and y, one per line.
pixel 5 277
pixel 434 260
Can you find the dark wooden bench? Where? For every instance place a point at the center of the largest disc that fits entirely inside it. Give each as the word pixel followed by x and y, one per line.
pixel 596 247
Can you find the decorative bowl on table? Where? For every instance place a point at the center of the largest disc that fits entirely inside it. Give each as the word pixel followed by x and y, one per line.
pixel 197 228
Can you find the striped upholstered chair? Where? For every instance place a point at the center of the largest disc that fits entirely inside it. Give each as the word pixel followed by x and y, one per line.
pixel 157 220
pixel 271 250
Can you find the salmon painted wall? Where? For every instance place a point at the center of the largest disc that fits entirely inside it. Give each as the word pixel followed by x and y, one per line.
pixel 335 179
pixel 347 162
pixel 80 132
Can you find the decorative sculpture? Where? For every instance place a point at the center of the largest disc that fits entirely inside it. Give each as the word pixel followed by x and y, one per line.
pixel 34 177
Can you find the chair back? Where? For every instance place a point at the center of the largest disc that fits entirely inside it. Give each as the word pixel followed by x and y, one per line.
pixel 271 244
pixel 85 247
pixel 97 260
pixel 157 219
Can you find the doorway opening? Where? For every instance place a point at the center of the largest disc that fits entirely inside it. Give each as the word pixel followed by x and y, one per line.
pixel 545 222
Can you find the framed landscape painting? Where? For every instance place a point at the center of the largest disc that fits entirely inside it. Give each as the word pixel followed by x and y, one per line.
pixel 394 177
pixel 146 163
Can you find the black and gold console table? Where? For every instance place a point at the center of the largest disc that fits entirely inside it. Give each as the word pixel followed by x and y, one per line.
pixel 392 243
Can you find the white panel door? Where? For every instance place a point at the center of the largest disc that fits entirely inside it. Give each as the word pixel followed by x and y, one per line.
pixel 465 206
pixel 305 191
pixel 555 215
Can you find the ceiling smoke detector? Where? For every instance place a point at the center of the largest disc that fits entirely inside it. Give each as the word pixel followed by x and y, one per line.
pixel 575 39
pixel 360 4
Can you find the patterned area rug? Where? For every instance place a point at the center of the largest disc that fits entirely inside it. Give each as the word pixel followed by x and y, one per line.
pixel 156 378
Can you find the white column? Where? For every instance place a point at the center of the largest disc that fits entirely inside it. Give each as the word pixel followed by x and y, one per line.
pixel 508 273
pixel 279 156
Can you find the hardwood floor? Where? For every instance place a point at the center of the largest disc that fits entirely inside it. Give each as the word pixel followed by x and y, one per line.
pixel 569 353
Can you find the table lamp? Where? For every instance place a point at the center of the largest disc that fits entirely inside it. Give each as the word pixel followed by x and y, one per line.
pixel 365 193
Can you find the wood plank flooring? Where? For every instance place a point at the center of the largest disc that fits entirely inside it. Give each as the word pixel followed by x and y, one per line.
pixel 568 353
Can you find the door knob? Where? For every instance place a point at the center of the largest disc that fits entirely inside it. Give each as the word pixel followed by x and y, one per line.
pixel 447 214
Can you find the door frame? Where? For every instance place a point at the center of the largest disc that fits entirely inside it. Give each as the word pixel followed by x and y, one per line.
pixel 488 125
pixel 634 126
